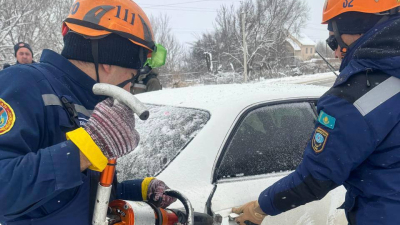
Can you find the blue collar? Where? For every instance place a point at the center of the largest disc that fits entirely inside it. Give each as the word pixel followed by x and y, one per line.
pixel 351 65
pixel 73 72
pixel 78 82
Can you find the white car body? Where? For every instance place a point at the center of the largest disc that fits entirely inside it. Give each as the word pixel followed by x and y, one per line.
pixel 192 171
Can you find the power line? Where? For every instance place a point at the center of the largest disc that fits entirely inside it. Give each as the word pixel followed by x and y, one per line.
pixel 184 10
pixel 309 28
pixel 183 7
pixel 315 26
pixel 189 29
pixel 318 28
pixel 182 3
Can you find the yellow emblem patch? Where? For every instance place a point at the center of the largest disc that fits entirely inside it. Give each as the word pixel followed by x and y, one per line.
pixel 7 117
pixel 326 120
pixel 319 140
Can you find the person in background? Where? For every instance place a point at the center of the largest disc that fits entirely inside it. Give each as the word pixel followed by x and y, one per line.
pixel 23 54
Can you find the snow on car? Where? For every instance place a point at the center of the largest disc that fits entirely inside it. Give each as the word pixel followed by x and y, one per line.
pixel 222 145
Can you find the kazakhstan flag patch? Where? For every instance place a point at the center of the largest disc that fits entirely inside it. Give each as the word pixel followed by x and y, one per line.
pixel 326 120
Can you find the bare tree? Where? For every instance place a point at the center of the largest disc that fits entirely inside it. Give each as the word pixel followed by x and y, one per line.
pixel 37 22
pixel 163 35
pixel 268 24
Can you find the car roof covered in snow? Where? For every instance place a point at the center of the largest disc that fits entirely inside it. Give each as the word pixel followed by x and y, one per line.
pixel 231 97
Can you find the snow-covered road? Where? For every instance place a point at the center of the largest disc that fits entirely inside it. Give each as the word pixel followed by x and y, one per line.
pixel 321 79
pixel 327 82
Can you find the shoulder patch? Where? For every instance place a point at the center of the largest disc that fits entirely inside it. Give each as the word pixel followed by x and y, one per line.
pixel 319 140
pixel 7 117
pixel 326 120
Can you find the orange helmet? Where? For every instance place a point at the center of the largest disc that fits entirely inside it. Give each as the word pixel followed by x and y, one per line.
pixel 97 18
pixel 334 8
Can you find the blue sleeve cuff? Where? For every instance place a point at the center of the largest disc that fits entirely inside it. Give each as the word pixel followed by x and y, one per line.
pixel 266 202
pixel 130 190
pixel 65 160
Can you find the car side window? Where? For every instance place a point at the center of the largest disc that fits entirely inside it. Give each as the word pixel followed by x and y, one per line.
pixel 269 139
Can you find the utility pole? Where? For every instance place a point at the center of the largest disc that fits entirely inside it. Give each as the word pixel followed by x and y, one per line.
pixel 326 49
pixel 244 44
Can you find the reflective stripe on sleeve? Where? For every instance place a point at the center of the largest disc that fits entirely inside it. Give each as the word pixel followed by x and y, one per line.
pixel 54 100
pixel 377 96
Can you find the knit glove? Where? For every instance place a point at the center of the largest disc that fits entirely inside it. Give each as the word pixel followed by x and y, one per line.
pixel 250 213
pixel 155 194
pixel 112 128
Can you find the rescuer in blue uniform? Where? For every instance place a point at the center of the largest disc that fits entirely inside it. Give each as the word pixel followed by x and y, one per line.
pixel 56 135
pixel 356 142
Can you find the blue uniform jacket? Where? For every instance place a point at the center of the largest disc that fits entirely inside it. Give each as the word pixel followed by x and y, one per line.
pixel 356 142
pixel 40 178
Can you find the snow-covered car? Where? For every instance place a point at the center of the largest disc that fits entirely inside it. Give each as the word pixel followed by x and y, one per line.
pixel 222 145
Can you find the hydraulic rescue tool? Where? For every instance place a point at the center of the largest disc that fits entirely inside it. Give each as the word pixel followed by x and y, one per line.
pixel 122 212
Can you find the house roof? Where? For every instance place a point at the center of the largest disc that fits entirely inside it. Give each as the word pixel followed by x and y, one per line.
pixel 294 45
pixel 304 39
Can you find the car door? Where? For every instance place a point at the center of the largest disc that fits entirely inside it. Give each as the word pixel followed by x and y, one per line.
pixel 266 144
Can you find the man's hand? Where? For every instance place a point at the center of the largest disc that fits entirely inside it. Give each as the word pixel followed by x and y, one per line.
pixel 155 192
pixel 250 212
pixel 112 128
pixel 85 163
pixel 109 134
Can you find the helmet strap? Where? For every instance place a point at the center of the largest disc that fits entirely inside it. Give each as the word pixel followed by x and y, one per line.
pixel 95 54
pixel 142 57
pixel 143 70
pixel 344 48
pixel 132 80
pixel 392 12
pixel 384 18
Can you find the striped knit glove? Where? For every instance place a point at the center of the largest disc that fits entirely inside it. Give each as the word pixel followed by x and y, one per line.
pixel 112 128
pixel 155 194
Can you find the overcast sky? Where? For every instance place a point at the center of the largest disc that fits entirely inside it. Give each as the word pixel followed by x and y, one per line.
pixel 190 18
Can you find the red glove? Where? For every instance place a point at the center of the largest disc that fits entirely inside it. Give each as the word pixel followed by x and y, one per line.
pixel 156 191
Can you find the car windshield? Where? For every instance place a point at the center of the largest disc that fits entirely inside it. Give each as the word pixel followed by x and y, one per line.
pixel 162 137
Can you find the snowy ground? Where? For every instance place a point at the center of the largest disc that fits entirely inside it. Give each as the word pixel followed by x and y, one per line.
pixel 321 79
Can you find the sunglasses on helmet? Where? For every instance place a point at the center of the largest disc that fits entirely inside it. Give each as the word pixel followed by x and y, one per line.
pixel 332 42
